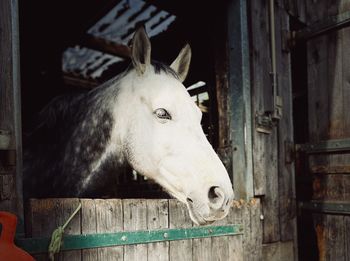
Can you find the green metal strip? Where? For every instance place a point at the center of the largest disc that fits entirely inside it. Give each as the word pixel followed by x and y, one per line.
pixel 327 146
pixel 326 207
pixel 74 242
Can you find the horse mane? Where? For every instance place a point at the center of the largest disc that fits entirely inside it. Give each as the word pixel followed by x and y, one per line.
pixel 72 134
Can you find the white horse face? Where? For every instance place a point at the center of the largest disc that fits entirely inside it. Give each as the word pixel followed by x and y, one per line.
pixel 164 139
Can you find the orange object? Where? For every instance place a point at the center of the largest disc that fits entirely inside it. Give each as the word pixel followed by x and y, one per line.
pixel 8 250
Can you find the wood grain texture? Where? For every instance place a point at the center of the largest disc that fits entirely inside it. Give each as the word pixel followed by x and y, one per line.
pixel 112 215
pixel 135 218
pixel 347 237
pixel 346 79
pixel 10 98
pixel 234 244
pixel 328 92
pixel 179 217
pixel 253 231
pixel 88 226
pixel 265 146
pixel 261 89
pixel 47 215
pixel 109 219
pixel 158 218
pixel 335 237
pixel 316 10
pixel 278 251
pixel 286 176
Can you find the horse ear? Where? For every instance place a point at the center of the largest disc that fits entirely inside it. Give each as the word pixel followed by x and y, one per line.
pixel 182 62
pixel 141 50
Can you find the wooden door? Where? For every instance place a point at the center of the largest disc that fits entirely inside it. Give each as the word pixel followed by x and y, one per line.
pixel 323 168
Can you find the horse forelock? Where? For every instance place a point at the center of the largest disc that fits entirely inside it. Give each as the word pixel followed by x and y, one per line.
pixel 158 68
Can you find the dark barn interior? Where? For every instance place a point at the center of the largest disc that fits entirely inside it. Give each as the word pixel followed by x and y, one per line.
pixel 65 47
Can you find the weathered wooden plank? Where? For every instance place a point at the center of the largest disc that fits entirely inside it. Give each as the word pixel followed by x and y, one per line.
pixel 88 226
pixel 10 98
pixel 7 186
pixel 65 208
pixel 135 218
pixel 318 94
pixel 201 249
pixel 7 90
pixel 344 6
pixel 347 237
pixel 346 79
pixel 229 248
pixel 47 215
pixel 286 177
pixel 335 169
pixel 109 219
pixel 264 145
pixel 335 88
pixel 179 217
pixel 278 251
pixel 253 231
pixel 222 93
pixel 316 10
pixel 240 107
pixel 296 8
pixel 346 184
pixel 157 216
pixel 331 187
pixel 262 98
pixel 317 88
pixel 220 245
pixel 335 238
pixel 330 232
pixel 333 7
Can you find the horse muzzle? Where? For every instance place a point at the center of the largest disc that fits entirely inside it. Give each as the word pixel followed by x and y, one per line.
pixel 215 207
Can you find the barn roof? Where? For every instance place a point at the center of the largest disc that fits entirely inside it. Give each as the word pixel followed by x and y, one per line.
pixel 106 42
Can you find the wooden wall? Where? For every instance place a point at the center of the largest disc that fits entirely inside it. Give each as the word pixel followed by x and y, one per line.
pixel 112 215
pixel 272 168
pixel 328 88
pixel 269 216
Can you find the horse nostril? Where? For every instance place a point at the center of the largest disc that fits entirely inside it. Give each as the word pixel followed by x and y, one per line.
pixel 216 195
pixel 212 194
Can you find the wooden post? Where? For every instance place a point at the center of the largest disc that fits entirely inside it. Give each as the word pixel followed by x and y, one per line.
pixel 240 97
pixel 10 108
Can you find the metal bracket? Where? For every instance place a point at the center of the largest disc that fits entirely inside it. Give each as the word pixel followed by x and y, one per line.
pixel 326 207
pixel 331 23
pixel 327 146
pixel 278 108
pixel 264 122
pixel 269 119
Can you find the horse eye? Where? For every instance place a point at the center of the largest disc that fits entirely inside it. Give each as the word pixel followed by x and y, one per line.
pixel 162 114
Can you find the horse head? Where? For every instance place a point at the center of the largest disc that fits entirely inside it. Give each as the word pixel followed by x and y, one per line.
pixel 162 137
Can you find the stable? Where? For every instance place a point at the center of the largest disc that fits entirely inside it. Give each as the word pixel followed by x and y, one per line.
pixel 270 79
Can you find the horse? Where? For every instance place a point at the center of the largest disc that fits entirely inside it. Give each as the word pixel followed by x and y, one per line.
pixel 143 117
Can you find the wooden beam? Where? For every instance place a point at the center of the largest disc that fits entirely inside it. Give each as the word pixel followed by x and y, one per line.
pixel 239 92
pixel 106 46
